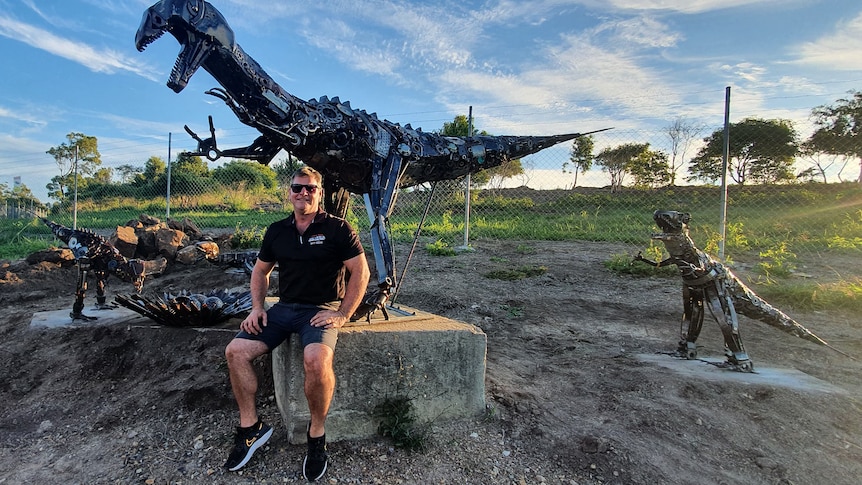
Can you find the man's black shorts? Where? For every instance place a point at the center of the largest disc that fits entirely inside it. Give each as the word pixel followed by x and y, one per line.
pixel 284 319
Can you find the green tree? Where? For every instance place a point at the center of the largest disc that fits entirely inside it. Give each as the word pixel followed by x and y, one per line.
pixel 285 168
pixel 459 127
pixel 500 173
pixel 21 191
pixel 617 160
pixel 154 169
pixel 839 128
pixel 102 176
pixel 818 162
pixel 128 172
pixel 650 169
pixel 761 151
pixel 190 164
pixel 581 157
pixel 79 151
pixel 244 173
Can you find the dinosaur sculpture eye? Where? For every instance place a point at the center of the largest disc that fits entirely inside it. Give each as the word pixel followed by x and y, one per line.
pixel 195 9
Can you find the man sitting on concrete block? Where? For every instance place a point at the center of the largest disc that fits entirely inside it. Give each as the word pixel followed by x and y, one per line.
pixel 313 249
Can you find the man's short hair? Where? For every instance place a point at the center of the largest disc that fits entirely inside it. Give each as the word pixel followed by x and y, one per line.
pixel 306 171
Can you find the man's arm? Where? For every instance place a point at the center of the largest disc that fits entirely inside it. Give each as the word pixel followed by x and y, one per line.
pixel 356 285
pixel 258 286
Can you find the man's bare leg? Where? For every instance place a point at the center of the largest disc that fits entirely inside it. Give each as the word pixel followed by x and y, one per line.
pixel 319 385
pixel 240 354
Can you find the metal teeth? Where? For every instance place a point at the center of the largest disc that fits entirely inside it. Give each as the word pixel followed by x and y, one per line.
pixel 149 40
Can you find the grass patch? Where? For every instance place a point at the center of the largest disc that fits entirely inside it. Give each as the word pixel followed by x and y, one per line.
pixel 516 273
pixel 440 248
pixel 845 295
pixel 398 422
pixel 624 264
pixel 513 311
pixel 23 247
pixel 251 238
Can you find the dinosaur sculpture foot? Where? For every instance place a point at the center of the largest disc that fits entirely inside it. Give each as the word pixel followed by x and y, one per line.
pixel 687 350
pixel 373 302
pixel 746 366
pixel 741 366
pixel 105 306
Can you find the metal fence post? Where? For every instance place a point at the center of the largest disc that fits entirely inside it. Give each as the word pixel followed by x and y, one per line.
pixel 722 224
pixel 75 202
pixel 466 245
pixel 168 194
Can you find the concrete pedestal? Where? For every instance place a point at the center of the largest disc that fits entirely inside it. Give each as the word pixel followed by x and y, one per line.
pixel 436 362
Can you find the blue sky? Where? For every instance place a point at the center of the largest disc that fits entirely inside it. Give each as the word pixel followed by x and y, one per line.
pixel 526 67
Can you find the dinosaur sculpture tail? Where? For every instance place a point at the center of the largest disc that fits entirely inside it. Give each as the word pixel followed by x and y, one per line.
pixel 62 232
pixel 749 304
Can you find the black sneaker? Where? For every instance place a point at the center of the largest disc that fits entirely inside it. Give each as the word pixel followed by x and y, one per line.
pixel 315 462
pixel 246 442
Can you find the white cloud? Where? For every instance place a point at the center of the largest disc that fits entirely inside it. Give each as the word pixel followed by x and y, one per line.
pixel 839 51
pixel 683 6
pixel 640 32
pixel 106 61
pixel 23 117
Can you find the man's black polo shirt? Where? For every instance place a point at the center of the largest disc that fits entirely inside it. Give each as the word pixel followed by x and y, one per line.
pixel 310 266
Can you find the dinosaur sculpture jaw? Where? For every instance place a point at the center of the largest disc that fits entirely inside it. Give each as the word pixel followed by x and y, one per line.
pixel 198 27
pixel 672 222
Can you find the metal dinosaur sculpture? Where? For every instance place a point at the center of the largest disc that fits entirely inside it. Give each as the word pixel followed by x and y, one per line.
pixel 355 151
pixel 189 309
pixel 93 254
pixel 709 286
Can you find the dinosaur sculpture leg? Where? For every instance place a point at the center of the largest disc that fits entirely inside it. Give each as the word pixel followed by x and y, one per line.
pixel 692 316
pixel 721 308
pixel 101 281
pixel 81 291
pixel 378 204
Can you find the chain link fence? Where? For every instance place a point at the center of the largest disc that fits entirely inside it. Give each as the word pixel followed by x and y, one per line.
pixel 807 210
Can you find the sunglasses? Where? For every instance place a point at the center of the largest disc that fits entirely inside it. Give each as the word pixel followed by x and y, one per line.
pixel 297 188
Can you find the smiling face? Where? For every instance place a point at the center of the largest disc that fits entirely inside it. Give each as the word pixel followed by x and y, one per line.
pixel 306 202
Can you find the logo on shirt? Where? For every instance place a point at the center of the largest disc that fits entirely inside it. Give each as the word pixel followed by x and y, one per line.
pixel 316 239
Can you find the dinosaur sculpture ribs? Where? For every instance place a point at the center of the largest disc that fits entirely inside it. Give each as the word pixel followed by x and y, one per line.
pixel 354 150
pixel 708 286
pixel 93 254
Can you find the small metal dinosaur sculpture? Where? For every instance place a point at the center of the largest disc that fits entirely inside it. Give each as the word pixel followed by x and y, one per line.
pixel 355 151
pixel 93 254
pixel 709 286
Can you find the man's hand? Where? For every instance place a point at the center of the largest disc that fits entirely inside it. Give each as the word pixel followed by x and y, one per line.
pixel 328 319
pixel 254 322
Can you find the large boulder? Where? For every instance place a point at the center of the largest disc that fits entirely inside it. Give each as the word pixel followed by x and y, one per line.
pixel 187 226
pixel 125 240
pixel 169 241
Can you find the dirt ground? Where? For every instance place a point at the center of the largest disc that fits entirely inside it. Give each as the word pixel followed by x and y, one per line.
pixel 569 397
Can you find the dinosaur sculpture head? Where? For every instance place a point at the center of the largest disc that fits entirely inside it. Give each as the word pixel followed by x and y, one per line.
pixel 197 26
pixel 130 270
pixel 672 222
